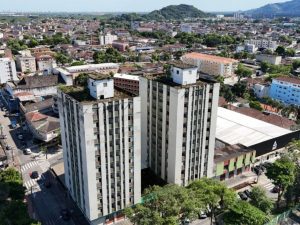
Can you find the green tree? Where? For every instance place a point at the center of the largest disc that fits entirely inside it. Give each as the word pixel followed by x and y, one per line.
pixel 260 200
pixel 290 52
pixel 82 79
pixel 282 173
pixel 62 58
pixel 255 105
pixel 296 64
pixel 280 50
pixel 264 66
pixel 213 194
pixel 243 72
pixel 243 213
pixel 44 150
pixel 78 63
pixel 164 205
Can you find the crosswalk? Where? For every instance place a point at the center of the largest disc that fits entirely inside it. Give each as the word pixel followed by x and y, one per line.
pixel 33 182
pixel 269 186
pixel 29 165
pixel 43 164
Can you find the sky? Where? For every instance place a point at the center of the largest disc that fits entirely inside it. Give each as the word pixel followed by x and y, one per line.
pixel 126 5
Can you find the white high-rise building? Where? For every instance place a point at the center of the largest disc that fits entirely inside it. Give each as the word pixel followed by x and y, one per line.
pixel 101 138
pixel 7 70
pixel 107 39
pixel 178 124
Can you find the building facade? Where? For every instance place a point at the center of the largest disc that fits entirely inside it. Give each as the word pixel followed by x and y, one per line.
pixel 7 70
pixel 212 65
pixel 178 125
pixel 262 43
pixel 286 90
pixel 272 59
pixel 26 64
pixel 102 151
pixel 129 83
pixel 107 39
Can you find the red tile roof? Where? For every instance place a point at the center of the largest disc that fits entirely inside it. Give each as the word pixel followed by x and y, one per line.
pixel 214 58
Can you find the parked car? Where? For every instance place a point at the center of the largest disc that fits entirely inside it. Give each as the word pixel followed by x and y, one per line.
pixel 4 136
pixel 276 189
pixel 27 151
pixel 34 174
pixel 257 170
pixel 65 214
pixel 8 147
pixel 247 193
pixel 243 196
pixel 202 215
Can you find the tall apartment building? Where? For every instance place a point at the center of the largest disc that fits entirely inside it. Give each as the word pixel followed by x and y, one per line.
pixel 107 39
pixel 101 140
pixel 286 90
pixel 211 64
pixel 26 64
pixel 262 43
pixel 178 124
pixel 7 70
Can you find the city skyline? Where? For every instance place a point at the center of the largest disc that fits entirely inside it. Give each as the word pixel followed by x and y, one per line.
pixel 127 5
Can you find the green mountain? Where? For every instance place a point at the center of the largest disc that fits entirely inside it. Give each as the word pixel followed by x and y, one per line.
pixel 289 8
pixel 176 12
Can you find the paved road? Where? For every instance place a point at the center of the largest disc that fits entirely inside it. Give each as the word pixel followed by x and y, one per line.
pixel 45 204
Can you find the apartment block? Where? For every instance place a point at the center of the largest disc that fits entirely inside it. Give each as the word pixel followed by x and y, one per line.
pixel 107 39
pixel 101 138
pixel 26 64
pixel 178 124
pixel 211 64
pixel 7 70
pixel 129 83
pixel 286 90
pixel 262 43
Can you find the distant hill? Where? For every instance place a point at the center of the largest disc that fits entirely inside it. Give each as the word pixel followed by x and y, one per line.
pixel 171 12
pixel 290 8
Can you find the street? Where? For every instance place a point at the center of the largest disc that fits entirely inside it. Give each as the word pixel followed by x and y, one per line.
pixel 44 203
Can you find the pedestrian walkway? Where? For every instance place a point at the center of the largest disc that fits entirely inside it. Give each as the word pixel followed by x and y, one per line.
pixel 29 165
pixel 269 186
pixel 43 164
pixel 33 182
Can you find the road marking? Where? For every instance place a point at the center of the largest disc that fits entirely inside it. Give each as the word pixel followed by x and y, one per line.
pixel 29 165
pixel 269 186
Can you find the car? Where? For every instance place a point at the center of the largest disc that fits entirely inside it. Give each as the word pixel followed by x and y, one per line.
pixel 4 136
pixel 8 147
pixel 27 151
pixel 257 170
pixel 202 215
pixel 65 214
pixel 243 196
pixel 34 174
pixel 275 189
pixel 247 193
pixel 267 164
pixel 13 126
pixel 20 137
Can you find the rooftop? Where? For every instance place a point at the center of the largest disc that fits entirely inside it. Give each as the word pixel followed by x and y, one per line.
pixel 293 80
pixel 99 76
pixel 182 65
pixel 196 55
pixel 37 82
pixel 236 128
pixel 127 76
pixel 82 94
pixel 168 80
pixel 230 151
